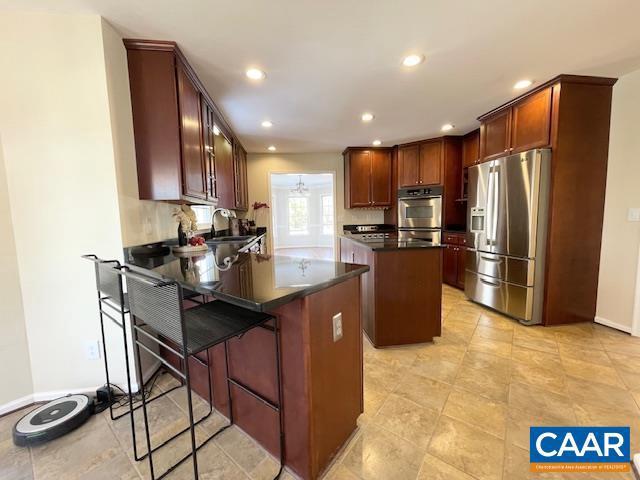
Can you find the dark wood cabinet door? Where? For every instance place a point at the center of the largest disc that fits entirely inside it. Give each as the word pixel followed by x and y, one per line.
pixel 408 166
pixel 191 137
pixel 381 175
pixel 431 163
pixel 240 178
pixel 208 119
pixel 450 265
pixel 471 148
pixel 224 171
pixel 461 266
pixel 359 178
pixel 531 122
pixel 495 135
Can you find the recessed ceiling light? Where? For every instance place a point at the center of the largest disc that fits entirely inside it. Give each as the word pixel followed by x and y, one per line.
pixel 376 143
pixel 267 124
pixel 367 117
pixel 522 84
pixel 255 74
pixel 272 148
pixel 412 60
pixel 216 130
pixel 446 127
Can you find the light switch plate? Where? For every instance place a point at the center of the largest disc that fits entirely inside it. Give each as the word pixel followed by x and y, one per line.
pixel 633 215
pixel 337 327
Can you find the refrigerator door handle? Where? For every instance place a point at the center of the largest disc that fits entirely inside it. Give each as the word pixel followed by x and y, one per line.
pixel 488 259
pixel 491 284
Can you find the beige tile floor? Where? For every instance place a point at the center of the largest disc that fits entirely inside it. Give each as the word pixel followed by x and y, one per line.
pixel 459 408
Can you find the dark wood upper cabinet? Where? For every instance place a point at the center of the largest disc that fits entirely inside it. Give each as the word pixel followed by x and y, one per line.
pixel 381 176
pixel 517 127
pixel 240 178
pixel 420 164
pixel 173 119
pixel 192 147
pixel 225 166
pixel 531 122
pixel 471 148
pixel 359 177
pixel 408 166
pixel 368 175
pixel 208 122
pixel 431 163
pixel 495 135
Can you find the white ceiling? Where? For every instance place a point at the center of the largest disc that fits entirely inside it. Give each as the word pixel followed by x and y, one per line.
pixel 327 61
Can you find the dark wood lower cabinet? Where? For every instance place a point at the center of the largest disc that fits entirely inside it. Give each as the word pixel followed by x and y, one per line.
pixel 454 259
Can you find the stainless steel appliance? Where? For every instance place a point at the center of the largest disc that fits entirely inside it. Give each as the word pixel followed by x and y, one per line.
pixel 420 213
pixel 506 238
pixel 373 231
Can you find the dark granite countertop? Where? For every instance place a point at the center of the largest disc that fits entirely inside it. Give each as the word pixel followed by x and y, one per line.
pixel 255 281
pixel 394 243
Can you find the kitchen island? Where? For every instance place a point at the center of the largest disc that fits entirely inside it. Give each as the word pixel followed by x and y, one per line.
pixel 402 292
pixel 321 372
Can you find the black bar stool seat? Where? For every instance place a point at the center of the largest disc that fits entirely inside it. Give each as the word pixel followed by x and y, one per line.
pixel 215 322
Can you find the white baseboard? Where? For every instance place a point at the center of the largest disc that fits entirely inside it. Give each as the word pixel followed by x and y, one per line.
pixel 16 404
pixel 52 395
pixel 609 323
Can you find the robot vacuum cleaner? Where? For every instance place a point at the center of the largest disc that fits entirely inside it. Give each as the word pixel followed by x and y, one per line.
pixel 52 420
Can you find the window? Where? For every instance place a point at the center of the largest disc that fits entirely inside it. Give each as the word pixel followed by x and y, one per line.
pixel 298 216
pixel 327 215
pixel 203 215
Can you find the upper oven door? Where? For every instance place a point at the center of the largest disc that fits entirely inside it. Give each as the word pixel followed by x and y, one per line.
pixel 420 212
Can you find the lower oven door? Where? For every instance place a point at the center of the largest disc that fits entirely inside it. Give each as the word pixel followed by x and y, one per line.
pixel 508 298
pixel 433 236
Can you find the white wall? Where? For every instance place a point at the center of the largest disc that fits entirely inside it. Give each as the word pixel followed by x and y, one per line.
pixel 621 239
pixel 61 179
pixel 260 166
pixel 143 221
pixel 15 364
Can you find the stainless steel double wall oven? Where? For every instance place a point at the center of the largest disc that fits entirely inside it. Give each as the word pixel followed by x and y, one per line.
pixel 420 213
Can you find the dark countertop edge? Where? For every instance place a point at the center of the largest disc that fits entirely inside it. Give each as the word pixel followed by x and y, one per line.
pixel 371 245
pixel 255 306
pixel 271 305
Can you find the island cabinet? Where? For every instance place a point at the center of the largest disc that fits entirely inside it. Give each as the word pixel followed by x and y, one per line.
pixel 401 293
pixel 368 177
pixel 175 122
pixel 519 127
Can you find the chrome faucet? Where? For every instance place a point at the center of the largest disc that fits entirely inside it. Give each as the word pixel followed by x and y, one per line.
pixel 229 214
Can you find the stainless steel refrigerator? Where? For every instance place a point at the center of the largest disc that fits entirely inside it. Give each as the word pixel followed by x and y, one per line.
pixel 506 234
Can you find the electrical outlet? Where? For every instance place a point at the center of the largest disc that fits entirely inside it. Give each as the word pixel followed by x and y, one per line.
pixel 633 215
pixel 337 327
pixel 92 350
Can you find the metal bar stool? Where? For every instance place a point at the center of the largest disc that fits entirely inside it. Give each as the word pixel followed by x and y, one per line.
pixel 111 294
pixel 159 304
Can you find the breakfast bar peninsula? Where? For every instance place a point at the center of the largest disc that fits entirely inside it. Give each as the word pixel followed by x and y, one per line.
pixel 320 353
